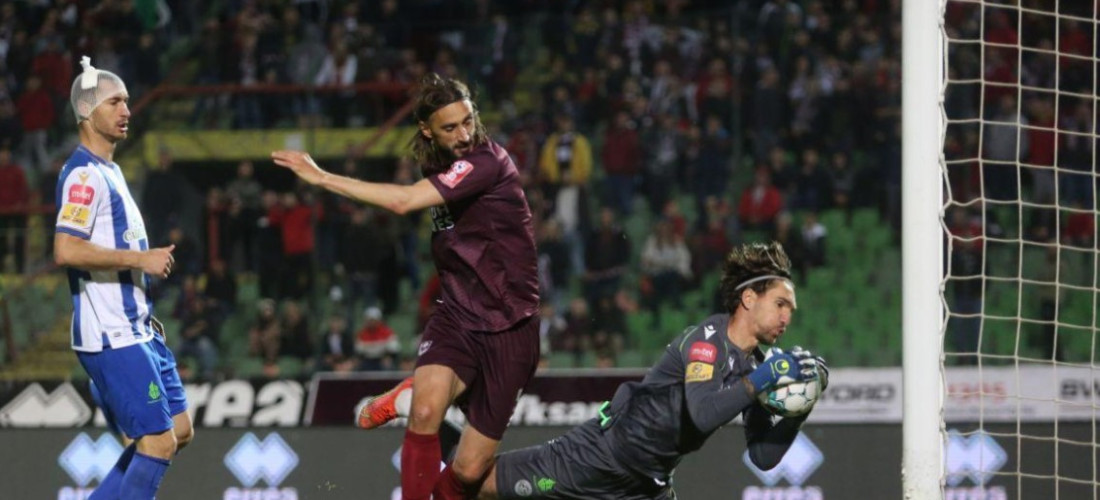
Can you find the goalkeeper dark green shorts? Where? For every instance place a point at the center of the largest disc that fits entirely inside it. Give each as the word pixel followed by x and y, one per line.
pixel 574 466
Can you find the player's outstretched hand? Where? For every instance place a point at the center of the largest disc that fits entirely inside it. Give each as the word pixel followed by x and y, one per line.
pixel 780 368
pixel 806 358
pixel 301 164
pixel 158 261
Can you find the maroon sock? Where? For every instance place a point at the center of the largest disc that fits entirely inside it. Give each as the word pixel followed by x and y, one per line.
pixel 449 487
pixel 419 465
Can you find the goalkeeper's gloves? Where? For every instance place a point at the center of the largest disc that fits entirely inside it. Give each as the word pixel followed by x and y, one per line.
pixel 822 372
pixel 822 369
pixel 780 368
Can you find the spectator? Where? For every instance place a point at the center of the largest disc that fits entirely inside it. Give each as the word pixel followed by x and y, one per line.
pixel 36 112
pixel 566 157
pixel 296 340
pixel 360 255
pixel 664 147
pixel 622 163
pixel 221 289
pixel 607 253
pixel 842 181
pixel 813 240
pixel 760 203
pixel 163 198
pixel 376 343
pixel 337 346
pixel 338 70
pixel 265 333
pixel 246 191
pixel 666 267
pixel 198 334
pixel 296 219
pixel 14 202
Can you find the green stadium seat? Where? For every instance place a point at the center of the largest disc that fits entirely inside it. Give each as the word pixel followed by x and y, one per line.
pixel 632 358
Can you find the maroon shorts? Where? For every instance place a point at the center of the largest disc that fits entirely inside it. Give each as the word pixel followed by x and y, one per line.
pixel 495 366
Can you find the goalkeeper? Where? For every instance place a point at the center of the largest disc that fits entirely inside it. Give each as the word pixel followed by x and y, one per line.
pixel 706 377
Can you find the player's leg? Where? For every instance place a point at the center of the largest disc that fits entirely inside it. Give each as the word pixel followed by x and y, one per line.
pixel 574 465
pixel 508 361
pixel 444 369
pixel 131 390
pixel 435 387
pixel 174 392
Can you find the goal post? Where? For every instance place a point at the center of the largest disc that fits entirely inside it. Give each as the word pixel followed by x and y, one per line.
pixel 922 248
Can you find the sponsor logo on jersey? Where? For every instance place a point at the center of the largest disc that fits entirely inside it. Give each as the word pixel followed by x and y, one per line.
pixel 424 346
pixel 81 194
pixel 699 372
pixel 708 331
pixel 76 214
pixel 458 171
pixel 703 351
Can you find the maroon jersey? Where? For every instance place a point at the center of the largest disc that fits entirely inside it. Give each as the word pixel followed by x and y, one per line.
pixel 483 243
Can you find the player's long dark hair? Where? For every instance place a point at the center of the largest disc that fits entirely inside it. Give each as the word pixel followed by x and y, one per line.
pixel 749 261
pixel 435 92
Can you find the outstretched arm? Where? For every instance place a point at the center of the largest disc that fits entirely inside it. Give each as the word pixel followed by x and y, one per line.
pixel 394 197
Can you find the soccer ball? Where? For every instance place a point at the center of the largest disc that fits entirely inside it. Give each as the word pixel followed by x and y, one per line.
pixel 792 400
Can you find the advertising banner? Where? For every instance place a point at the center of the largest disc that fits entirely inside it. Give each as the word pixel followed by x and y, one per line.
pixel 569 397
pixel 231 403
pixel 840 462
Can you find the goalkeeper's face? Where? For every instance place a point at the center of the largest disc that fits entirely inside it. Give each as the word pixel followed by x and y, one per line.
pixel 111 118
pixel 772 311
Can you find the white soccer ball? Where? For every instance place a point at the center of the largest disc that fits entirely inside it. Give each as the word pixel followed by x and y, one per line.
pixel 792 400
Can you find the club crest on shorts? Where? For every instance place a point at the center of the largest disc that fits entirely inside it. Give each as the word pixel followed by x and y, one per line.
pixel 523 488
pixel 424 346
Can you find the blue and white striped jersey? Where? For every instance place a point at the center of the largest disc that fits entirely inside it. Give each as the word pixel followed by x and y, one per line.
pixel 95 204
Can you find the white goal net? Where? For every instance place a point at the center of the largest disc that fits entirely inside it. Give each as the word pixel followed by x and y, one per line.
pixel 1019 220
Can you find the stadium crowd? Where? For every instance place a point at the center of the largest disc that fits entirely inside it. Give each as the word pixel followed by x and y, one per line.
pixel 709 122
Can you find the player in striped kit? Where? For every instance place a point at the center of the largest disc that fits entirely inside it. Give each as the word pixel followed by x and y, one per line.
pixel 101 241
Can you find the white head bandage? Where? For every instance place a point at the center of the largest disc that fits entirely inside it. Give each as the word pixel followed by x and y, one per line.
pixel 757 279
pixel 91 88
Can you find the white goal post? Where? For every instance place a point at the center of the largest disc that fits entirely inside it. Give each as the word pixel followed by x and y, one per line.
pixel 922 247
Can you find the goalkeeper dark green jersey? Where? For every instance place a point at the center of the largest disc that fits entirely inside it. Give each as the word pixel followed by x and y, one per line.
pixel 632 447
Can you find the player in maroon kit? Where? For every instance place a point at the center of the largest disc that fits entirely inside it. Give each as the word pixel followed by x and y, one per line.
pixel 481 345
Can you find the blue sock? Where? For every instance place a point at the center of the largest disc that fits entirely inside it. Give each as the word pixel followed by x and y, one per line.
pixel 143 477
pixel 111 485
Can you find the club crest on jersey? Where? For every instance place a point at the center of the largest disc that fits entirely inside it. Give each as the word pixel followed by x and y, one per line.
pixel 703 351
pixel 458 171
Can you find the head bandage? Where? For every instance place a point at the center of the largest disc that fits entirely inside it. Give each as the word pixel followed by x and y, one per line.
pixel 91 88
pixel 757 279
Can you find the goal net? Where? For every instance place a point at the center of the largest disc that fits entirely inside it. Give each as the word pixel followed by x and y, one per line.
pixel 1019 361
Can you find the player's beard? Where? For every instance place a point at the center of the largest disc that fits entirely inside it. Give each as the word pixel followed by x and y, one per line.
pixel 445 156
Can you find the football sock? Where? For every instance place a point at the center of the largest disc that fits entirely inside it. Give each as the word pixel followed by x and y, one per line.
pixel 450 487
pixel 420 457
pixel 143 477
pixel 111 485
